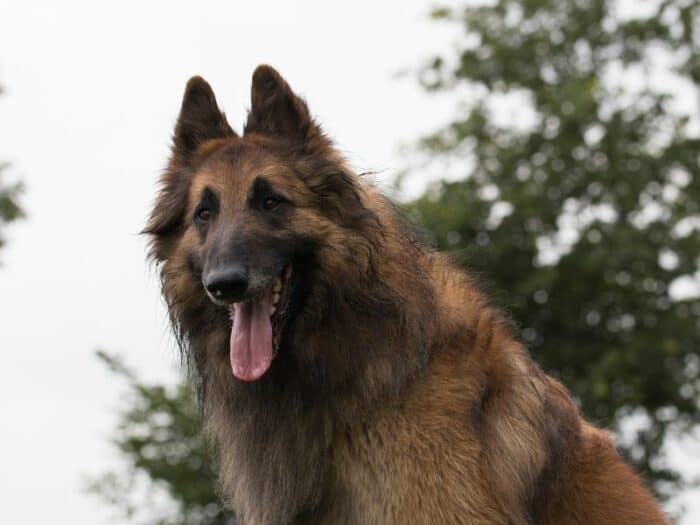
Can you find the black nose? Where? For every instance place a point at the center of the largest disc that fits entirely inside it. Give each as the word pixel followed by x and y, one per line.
pixel 227 283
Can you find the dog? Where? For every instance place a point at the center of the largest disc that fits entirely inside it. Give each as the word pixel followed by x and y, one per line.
pixel 347 372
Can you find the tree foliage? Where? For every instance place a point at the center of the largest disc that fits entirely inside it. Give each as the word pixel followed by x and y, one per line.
pixel 583 213
pixel 169 478
pixel 9 205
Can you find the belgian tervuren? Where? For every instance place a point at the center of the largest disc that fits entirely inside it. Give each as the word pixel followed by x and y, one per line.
pixel 348 373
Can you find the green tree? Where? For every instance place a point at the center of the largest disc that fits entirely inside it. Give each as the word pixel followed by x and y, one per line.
pixel 9 205
pixel 582 215
pixel 159 436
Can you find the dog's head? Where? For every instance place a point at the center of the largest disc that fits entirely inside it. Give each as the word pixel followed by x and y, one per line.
pixel 248 228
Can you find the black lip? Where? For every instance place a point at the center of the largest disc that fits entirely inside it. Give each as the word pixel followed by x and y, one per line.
pixel 281 316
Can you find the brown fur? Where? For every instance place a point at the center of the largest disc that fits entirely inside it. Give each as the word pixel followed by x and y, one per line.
pixel 400 395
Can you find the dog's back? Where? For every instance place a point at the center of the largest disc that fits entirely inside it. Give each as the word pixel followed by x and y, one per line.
pixel 484 436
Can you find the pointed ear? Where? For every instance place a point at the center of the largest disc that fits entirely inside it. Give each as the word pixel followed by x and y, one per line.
pixel 276 111
pixel 200 119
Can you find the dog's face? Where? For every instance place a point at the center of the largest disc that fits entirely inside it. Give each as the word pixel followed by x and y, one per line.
pixel 243 224
pixel 248 238
pixel 240 206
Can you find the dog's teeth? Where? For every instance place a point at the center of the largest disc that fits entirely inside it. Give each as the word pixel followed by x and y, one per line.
pixel 275 298
pixel 277 286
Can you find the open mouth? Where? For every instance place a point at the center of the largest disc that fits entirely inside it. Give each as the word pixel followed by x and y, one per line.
pixel 257 328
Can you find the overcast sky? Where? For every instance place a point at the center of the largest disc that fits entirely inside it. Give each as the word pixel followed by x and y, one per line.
pixel 92 92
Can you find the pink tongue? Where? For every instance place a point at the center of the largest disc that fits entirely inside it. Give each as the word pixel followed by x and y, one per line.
pixel 251 338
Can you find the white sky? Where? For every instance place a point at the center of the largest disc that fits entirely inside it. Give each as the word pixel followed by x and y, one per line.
pixel 92 91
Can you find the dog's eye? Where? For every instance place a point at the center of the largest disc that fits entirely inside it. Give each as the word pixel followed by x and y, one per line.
pixel 270 203
pixel 203 214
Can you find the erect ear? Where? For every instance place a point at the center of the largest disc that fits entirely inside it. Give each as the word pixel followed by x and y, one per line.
pixel 276 111
pixel 200 119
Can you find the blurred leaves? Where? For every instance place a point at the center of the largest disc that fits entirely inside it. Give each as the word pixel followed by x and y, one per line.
pixel 167 461
pixel 582 211
pixel 9 195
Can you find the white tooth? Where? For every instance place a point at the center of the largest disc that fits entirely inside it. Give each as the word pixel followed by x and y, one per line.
pixel 275 298
pixel 277 286
pixel 273 310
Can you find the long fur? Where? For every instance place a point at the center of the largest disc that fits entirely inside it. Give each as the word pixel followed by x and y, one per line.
pixel 400 395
